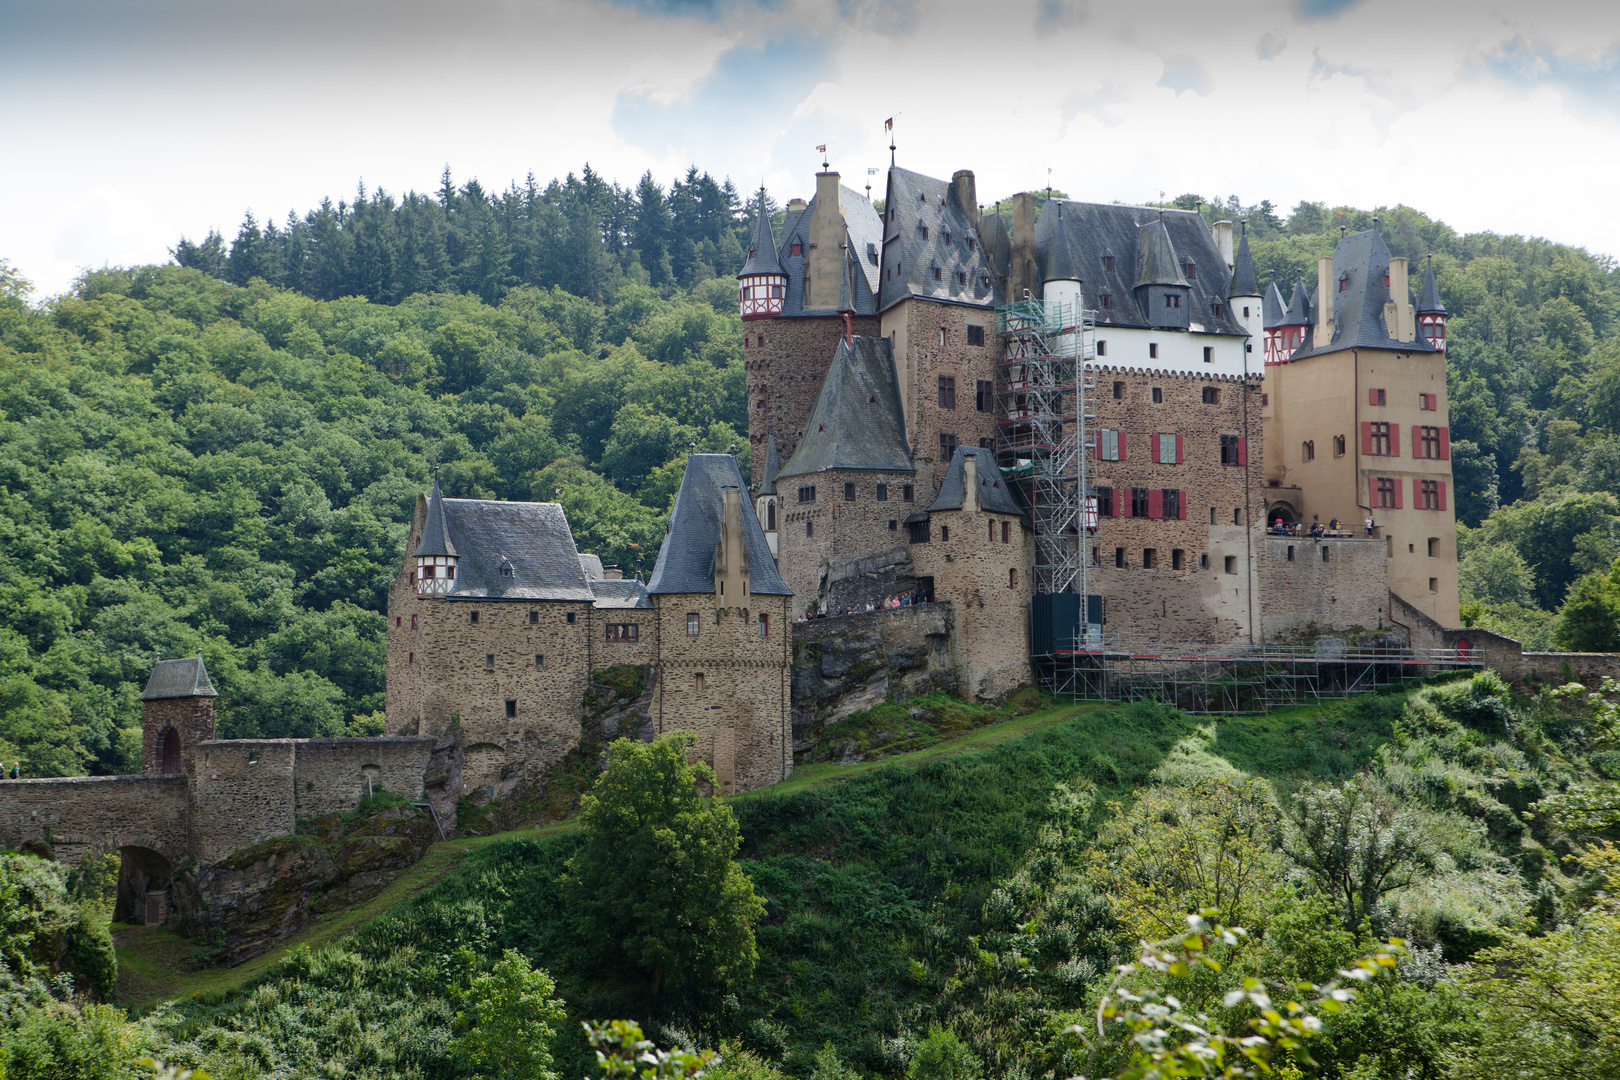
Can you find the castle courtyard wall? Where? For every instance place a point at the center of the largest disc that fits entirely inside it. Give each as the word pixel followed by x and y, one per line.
pixel 331 775
pixel 242 792
pixel 1313 585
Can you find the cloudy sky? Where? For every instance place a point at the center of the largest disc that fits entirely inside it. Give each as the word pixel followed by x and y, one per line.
pixel 131 122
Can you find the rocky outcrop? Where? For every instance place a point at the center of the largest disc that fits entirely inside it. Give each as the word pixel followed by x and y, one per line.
pixel 241 906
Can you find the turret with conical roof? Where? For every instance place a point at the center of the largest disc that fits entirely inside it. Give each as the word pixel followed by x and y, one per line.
pixel 1244 283
pixel 1431 312
pixel 436 556
pixel 763 284
pixel 1162 290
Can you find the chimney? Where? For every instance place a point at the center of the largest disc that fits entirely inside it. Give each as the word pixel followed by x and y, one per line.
pixel 1398 314
pixel 1023 272
pixel 970 483
pixel 967 193
pixel 796 205
pixel 1326 286
pixel 730 559
pixel 825 258
pixel 1223 241
pixel 612 573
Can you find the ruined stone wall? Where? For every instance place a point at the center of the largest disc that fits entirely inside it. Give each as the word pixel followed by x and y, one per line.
pixel 1203 601
pixel 1313 585
pixel 72 816
pixel 987 583
pixel 785 360
pixel 241 793
pixel 847 663
pixel 330 775
pixel 931 340
pixel 740 711
pixel 832 530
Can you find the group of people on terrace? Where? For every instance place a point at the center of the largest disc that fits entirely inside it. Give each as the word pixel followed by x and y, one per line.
pixel 898 600
pixel 1333 530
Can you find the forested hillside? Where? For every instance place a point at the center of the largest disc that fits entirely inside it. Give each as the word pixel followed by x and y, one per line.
pixel 221 456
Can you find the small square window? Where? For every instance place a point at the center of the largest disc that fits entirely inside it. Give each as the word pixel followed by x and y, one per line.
pixel 944 533
pixel 1153 350
pixel 1158 393
pixel 1434 584
pixel 511 709
pixel 692 624
pixel 534 618
pixel 1290 552
pixel 798 249
pixel 1209 353
pixel 1203 561
pixel 882 493
pixel 1177 557
pixel 1119 556
pixel 1119 391
pixel 697 681
pixel 849 492
pixel 894 525
pixel 539 660
pixel 1102 348
pixel 489 660
pixel 397 622
pixel 569 618
pixel 764 626
pixel 1231 564
pixel 472 616
pixel 410 658
pixel 809 528
pixel 413 622
pixel 1325 551
pixel 906 492
pixel 1147 558
pixel 975 334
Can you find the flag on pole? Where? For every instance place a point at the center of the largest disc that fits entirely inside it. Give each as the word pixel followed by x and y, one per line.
pixel 822 149
pixel 888 125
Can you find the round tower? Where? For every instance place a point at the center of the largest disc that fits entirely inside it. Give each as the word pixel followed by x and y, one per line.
pixel 1243 294
pixel 435 556
pixel 762 284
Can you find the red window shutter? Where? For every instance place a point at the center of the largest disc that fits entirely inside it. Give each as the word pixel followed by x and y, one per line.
pixel 1445 444
pixel 1153 447
pixel 1181 503
pixel 1372 397
pixel 1122 446
pixel 1155 503
pixel 1372 492
pixel 1398 486
pixel 1097 449
pixel 1394 440
pixel 1243 449
pixel 1178 449
pixel 1366 437
pixel 1441 485
pixel 1417 441
pixel 1122 507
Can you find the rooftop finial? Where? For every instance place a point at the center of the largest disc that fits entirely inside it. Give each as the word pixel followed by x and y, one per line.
pixel 888 127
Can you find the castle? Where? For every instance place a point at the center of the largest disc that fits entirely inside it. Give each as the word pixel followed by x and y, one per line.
pixel 1061 433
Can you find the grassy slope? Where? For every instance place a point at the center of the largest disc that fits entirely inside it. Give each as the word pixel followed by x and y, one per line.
pixel 152 963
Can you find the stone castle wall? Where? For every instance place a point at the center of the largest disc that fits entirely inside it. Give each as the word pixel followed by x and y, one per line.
pixel 1224 512
pixel 331 775
pixel 242 792
pixel 76 815
pixel 931 340
pixel 843 529
pixel 784 376
pixel 1312 585
pixel 739 708
pixel 986 582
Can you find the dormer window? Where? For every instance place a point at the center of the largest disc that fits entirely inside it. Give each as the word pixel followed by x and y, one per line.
pixel 1217 309
pixel 947 236
pixel 961 277
pixel 1192 270
pixel 1344 282
pixel 970 243
pixel 924 229
pixel 1108 263
pixel 922 197
pixel 798 249
pixel 1107 301
pixel 936 273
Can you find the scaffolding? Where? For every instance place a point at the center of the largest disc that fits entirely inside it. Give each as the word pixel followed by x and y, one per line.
pixel 1240 679
pixel 1044 390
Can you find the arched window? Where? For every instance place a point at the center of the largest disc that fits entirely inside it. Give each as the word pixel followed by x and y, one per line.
pixel 770 516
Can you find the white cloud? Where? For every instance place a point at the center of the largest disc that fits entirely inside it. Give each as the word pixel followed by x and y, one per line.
pixel 182 116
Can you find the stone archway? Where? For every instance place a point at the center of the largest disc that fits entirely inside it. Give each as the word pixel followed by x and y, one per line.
pixel 1281 509
pixel 144 877
pixel 169 754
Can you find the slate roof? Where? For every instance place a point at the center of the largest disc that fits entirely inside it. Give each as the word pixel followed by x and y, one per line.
pixel 863 237
pixel 1244 283
pixel 435 537
pixel 1298 312
pixel 1097 230
pixel 857 421
pixel 914 201
pixel 1362 260
pixel 762 249
pixel 1272 308
pixel 995 494
pixel 773 468
pixel 686 559
pixel 623 593
pixel 531 540
pixel 592 566
pixel 179 678
pixel 1429 299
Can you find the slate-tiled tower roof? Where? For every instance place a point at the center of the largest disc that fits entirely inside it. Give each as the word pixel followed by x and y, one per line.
pixel 1429 299
pixel 179 679
pixel 773 468
pixel 435 536
pixel 857 421
pixel 1360 263
pixel 995 495
pixel 1103 239
pixel 686 559
pixel 931 244
pixel 1244 283
pixel 1298 311
pixel 762 248
pixel 1273 308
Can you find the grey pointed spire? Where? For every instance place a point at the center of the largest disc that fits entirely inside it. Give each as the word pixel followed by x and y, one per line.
pixel 762 248
pixel 773 466
pixel 1272 307
pixel 435 536
pixel 1244 283
pixel 1299 307
pixel 1429 299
